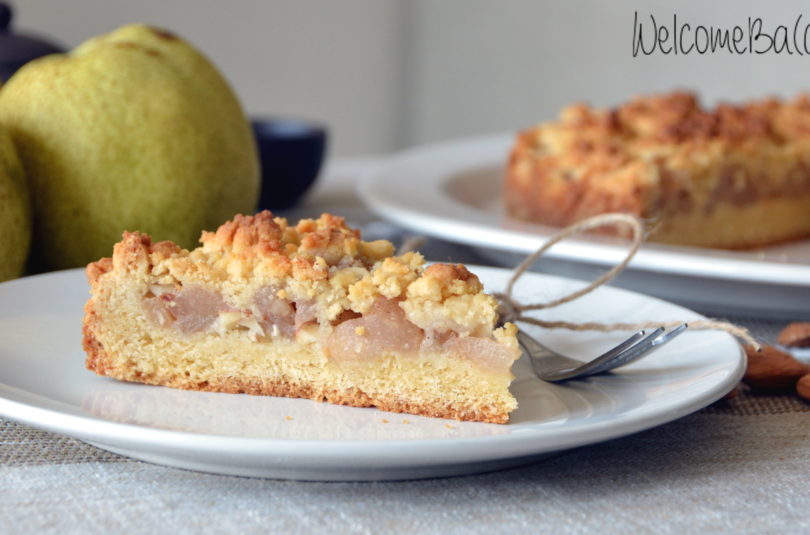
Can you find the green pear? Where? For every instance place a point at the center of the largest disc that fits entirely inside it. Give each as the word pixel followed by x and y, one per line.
pixel 15 212
pixel 133 130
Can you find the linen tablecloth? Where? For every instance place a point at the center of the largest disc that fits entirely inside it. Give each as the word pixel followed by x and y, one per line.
pixel 741 465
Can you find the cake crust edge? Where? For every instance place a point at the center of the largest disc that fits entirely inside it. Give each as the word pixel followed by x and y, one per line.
pixel 99 361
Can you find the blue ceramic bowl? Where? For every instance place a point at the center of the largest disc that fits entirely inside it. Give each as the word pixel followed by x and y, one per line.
pixel 291 153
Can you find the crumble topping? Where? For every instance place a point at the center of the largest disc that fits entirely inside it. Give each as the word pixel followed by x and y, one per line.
pixel 635 138
pixel 678 117
pixel 270 278
pixel 449 298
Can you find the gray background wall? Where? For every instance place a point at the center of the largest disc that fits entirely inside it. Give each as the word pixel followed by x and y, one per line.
pixel 387 74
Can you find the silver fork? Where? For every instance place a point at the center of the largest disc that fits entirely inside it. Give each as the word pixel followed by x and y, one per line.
pixel 551 366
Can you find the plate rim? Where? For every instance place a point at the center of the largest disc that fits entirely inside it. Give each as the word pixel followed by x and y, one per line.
pixel 378 192
pixel 100 431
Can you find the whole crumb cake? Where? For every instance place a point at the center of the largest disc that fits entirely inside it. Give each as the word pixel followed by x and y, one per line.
pixel 728 177
pixel 310 310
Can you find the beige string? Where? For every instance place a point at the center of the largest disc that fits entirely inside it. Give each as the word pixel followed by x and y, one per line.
pixel 513 311
pixel 411 243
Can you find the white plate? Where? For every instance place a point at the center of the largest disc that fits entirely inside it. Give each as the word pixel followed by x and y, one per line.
pixel 43 383
pixel 453 191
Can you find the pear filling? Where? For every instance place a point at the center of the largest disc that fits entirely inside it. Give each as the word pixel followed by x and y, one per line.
pixel 351 337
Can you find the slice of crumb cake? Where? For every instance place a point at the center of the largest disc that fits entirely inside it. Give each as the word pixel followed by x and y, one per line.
pixel 307 311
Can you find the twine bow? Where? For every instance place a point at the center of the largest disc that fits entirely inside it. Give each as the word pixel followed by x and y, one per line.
pixel 513 311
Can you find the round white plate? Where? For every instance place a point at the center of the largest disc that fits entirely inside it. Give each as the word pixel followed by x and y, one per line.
pixel 453 191
pixel 43 383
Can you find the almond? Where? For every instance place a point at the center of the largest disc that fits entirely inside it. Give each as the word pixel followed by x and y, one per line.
pixel 796 334
pixel 803 387
pixel 773 370
pixel 733 393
